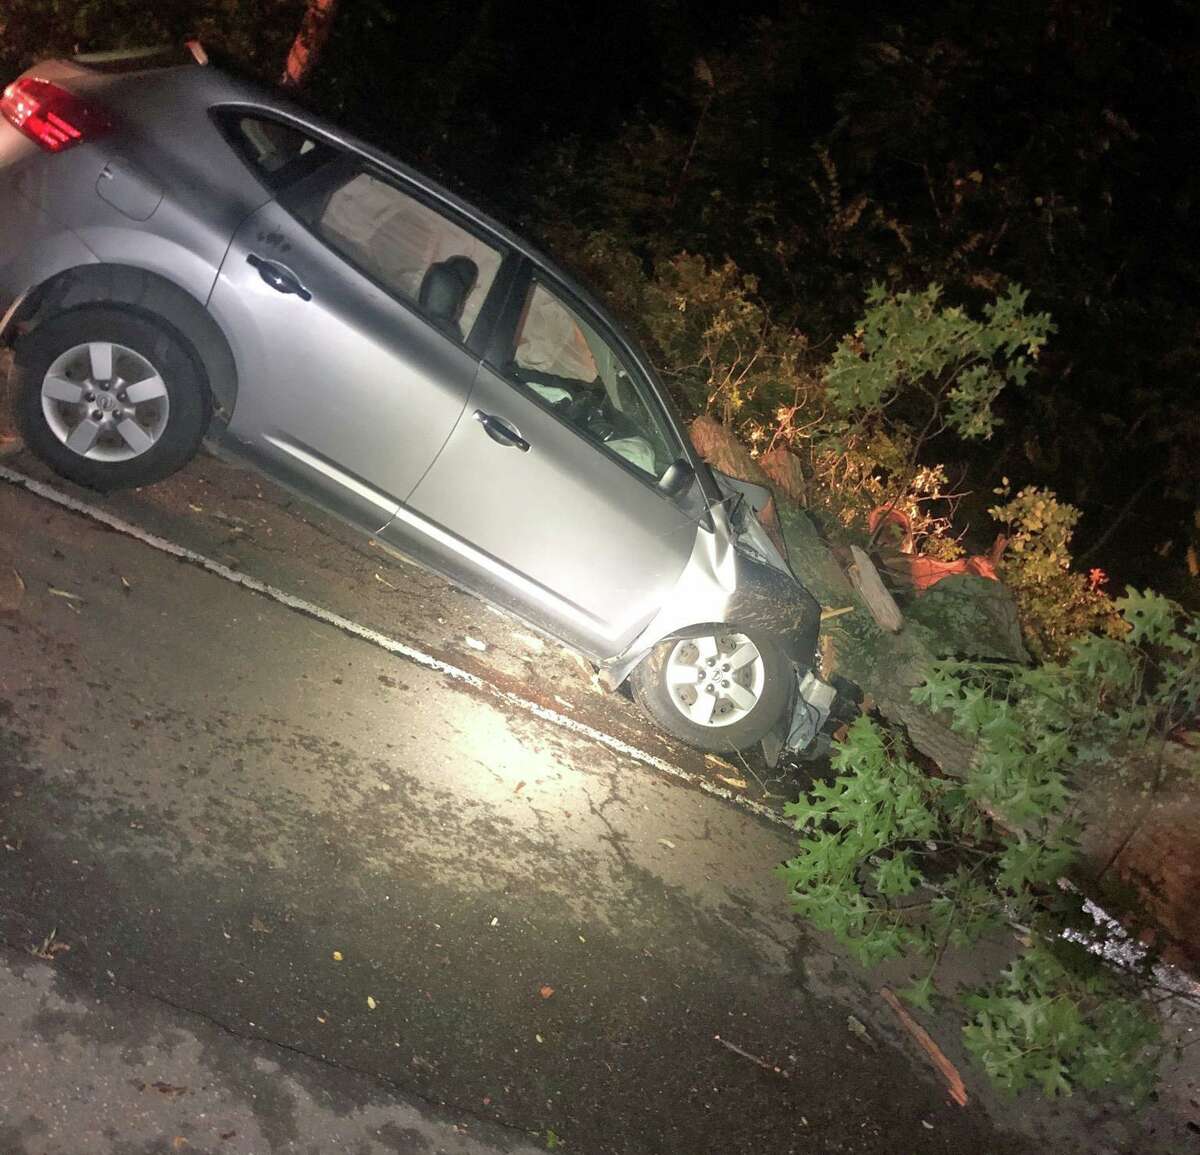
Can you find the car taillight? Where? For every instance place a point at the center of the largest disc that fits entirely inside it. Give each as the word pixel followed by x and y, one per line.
pixel 52 116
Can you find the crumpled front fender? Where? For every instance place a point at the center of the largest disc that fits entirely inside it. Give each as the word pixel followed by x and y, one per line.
pixel 730 579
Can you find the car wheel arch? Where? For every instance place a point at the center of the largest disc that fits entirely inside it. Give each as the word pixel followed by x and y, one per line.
pixel 144 292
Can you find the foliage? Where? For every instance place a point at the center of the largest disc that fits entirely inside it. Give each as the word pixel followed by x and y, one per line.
pixel 722 352
pixel 1057 606
pixel 976 152
pixel 1058 1019
pixel 1109 705
pixel 717 342
pixel 254 34
pixel 941 368
pixel 898 862
pixel 914 369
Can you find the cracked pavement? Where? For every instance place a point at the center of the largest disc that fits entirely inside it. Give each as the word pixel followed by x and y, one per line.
pixel 350 905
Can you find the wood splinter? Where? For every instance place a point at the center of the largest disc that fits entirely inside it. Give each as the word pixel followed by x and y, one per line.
pixel 954 1083
pixel 753 1058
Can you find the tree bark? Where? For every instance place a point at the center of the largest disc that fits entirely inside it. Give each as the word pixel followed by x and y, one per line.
pixel 310 39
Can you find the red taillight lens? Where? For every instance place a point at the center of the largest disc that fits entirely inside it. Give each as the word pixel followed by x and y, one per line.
pixel 55 118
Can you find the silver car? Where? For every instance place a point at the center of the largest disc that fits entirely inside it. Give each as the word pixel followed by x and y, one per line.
pixel 186 257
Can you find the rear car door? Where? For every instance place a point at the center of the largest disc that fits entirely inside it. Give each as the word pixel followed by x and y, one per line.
pixel 546 494
pixel 348 301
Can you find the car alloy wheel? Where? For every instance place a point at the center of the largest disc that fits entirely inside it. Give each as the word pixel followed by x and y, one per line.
pixel 105 401
pixel 715 680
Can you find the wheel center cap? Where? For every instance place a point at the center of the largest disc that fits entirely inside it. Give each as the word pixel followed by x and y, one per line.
pixel 106 402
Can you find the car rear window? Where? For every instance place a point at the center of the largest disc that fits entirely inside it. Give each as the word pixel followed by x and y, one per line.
pixel 279 152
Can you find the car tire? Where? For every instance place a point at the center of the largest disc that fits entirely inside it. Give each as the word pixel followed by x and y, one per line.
pixel 657 689
pixel 109 399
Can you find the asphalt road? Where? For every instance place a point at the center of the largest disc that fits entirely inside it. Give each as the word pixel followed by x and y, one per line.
pixel 359 886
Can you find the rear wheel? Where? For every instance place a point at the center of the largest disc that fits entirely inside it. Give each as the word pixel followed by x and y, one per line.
pixel 109 399
pixel 720 691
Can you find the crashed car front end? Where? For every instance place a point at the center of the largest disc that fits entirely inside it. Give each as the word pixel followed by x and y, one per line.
pixel 738 576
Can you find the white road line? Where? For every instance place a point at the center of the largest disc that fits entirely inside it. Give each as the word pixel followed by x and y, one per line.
pixel 391 645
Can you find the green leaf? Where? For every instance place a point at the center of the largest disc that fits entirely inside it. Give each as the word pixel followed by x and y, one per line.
pixel 896 876
pixel 920 993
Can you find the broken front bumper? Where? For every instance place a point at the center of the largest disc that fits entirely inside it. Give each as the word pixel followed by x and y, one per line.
pixel 810 711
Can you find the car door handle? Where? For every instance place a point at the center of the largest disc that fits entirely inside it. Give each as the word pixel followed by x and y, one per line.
pixel 500 431
pixel 281 279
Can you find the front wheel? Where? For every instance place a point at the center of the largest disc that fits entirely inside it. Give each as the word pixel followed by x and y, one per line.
pixel 722 691
pixel 109 399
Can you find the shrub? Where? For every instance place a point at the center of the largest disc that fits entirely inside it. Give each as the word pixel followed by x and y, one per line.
pixel 1056 605
pixel 895 861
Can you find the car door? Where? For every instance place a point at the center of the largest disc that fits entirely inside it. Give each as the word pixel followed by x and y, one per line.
pixel 350 377
pixel 546 494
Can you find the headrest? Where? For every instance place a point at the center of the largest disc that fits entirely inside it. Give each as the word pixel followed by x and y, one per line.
pixel 445 288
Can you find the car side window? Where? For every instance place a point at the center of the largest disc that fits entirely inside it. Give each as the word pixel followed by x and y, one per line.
pixel 560 357
pixel 411 250
pixel 278 152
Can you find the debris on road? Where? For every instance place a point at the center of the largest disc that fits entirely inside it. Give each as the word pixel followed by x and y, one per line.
pixel 12 591
pixel 337 956
pixel 236 524
pixel 667 843
pixel 371 1002
pixel 163 1088
pixel 125 586
pixel 753 1058
pixel 51 947
pixel 855 1027
pixel 384 582
pixel 57 593
pixel 948 1071
pixel 475 643
pixel 546 992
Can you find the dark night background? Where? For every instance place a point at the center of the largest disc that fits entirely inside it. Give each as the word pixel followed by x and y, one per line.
pixel 822 147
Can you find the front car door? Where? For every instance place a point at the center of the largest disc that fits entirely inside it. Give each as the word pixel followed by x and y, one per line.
pixel 352 372
pixel 546 495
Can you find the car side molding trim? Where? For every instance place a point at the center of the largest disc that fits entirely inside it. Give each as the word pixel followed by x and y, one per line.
pixel 531 589
pixel 337 476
